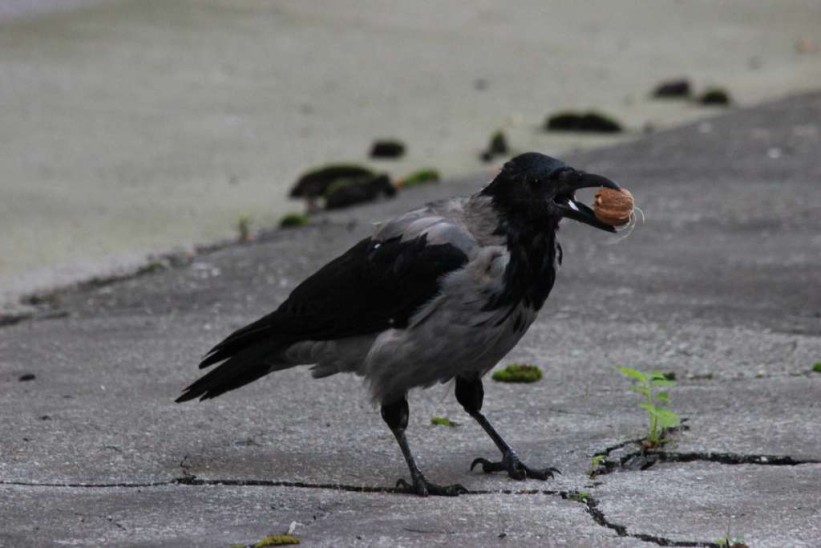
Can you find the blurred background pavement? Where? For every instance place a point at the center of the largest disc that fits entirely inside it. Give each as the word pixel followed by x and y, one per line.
pixel 137 127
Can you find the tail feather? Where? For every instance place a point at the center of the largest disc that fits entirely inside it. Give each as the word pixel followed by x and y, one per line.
pixel 240 340
pixel 243 367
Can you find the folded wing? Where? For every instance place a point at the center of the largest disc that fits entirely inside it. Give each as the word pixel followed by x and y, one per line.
pixel 376 285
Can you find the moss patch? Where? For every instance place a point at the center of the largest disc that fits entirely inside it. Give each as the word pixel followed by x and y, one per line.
pixel 419 177
pixel 388 148
pixel 443 421
pixel 316 181
pixel 673 89
pixel 715 96
pixel 293 219
pixel 817 367
pixel 497 146
pixel 348 192
pixel 583 122
pixel 277 540
pixel 517 372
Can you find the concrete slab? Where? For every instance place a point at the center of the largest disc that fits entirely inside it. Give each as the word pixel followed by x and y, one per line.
pixel 220 516
pixel 673 500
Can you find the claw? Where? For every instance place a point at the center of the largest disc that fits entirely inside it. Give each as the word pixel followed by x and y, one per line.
pixel 487 466
pixel 514 467
pixel 542 474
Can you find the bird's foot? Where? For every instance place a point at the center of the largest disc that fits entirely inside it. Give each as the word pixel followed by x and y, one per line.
pixel 423 488
pixel 515 468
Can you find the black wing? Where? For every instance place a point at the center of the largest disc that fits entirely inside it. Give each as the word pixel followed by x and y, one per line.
pixel 373 286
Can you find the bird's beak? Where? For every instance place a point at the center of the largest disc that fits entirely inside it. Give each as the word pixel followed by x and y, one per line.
pixel 577 211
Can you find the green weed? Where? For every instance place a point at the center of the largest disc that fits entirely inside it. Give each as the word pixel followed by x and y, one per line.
pixel 658 416
pixel 244 228
pixel 731 542
pixel 595 463
pixel 419 177
pixel 579 496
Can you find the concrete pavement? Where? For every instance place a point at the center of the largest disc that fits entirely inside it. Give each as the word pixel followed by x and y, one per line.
pixel 719 285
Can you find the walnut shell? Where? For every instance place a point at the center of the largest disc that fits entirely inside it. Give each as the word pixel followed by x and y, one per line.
pixel 613 207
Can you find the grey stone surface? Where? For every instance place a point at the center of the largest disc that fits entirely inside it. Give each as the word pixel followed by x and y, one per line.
pixel 764 505
pixel 220 516
pixel 719 285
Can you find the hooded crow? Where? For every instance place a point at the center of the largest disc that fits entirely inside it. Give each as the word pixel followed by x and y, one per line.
pixel 442 292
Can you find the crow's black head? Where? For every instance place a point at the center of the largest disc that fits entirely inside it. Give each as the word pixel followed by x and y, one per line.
pixel 540 189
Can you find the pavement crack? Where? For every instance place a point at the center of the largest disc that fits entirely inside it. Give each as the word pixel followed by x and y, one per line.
pixel 192 480
pixel 641 459
pixel 82 485
pixel 733 458
pixel 592 506
pixel 189 479
pixel 610 448
pixel 195 481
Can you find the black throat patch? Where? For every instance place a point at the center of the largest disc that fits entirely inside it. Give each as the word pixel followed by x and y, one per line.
pixel 531 272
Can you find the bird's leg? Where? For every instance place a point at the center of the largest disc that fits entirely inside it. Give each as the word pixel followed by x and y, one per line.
pixel 470 393
pixel 396 416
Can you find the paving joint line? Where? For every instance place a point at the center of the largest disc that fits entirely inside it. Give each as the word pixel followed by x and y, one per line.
pixel 648 458
pixel 592 507
pixel 590 503
pixel 641 460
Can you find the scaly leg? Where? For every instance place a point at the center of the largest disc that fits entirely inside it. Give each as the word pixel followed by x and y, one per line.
pixel 470 393
pixel 396 416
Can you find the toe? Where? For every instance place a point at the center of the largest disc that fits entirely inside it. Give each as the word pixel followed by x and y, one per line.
pixel 518 473
pixel 418 488
pixel 542 474
pixel 480 460
pixel 488 467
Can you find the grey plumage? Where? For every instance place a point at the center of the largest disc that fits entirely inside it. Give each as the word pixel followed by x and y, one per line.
pixel 450 334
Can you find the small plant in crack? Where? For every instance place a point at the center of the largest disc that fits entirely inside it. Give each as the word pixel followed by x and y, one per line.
pixel 244 229
pixel 579 496
pixel 596 462
pixel 659 418
pixel 731 542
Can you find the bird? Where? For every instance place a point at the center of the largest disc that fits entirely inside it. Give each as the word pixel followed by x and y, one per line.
pixel 438 294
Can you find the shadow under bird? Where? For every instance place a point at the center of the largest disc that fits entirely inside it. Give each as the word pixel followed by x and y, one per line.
pixel 439 293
